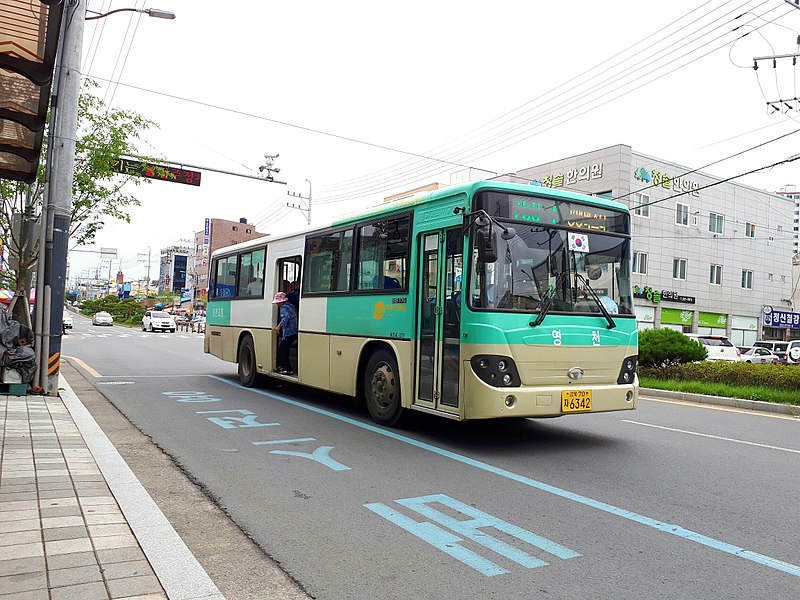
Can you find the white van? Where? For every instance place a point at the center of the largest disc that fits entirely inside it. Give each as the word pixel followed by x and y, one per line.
pixel 774 346
pixel 718 346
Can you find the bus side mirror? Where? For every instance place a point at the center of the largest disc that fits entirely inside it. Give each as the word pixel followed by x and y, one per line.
pixel 486 244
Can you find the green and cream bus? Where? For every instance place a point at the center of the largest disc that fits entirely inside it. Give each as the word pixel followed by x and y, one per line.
pixel 482 300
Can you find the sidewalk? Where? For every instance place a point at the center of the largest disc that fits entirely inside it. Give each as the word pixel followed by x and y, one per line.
pixel 64 533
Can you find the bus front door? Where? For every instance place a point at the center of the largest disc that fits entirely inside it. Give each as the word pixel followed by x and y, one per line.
pixel 439 319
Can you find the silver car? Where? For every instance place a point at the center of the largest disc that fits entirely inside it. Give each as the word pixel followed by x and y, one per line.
pixel 102 318
pixel 758 355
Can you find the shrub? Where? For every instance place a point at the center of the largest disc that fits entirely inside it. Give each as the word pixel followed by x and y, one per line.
pixel 776 377
pixel 665 347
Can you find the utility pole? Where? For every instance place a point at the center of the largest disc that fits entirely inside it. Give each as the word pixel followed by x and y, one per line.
pixel 58 202
pixel 306 210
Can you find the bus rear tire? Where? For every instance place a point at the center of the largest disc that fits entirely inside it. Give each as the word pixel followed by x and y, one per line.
pixel 382 389
pixel 248 372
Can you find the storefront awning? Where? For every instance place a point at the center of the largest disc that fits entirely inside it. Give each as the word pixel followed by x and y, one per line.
pixel 29 32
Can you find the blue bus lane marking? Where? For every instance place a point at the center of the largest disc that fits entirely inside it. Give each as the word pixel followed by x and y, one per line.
pixel 249 419
pixel 469 528
pixel 676 530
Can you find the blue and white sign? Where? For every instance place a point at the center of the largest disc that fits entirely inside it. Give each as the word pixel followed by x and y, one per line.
pixel 780 318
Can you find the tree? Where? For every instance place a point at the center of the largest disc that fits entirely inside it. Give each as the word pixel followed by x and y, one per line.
pixel 104 135
pixel 665 347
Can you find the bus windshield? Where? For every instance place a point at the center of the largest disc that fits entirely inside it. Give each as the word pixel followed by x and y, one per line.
pixel 543 266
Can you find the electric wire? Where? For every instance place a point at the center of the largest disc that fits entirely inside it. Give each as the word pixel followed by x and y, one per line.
pixel 647 39
pixel 494 149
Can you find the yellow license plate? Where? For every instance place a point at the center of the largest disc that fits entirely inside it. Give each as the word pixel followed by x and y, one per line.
pixel 576 400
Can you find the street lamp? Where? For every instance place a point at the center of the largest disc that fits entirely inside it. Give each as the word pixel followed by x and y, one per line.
pixel 150 12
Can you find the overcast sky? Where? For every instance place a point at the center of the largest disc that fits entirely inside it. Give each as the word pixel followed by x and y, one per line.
pixel 499 86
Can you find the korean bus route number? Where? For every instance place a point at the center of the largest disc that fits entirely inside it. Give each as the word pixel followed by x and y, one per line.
pixel 447 532
pixel 239 418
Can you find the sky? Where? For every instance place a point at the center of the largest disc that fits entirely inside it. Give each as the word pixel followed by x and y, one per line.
pixel 359 98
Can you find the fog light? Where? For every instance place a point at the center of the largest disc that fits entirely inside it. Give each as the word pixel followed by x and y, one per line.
pixel 507 379
pixel 510 401
pixel 629 396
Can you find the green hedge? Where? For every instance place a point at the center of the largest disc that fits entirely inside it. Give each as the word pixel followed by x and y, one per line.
pixel 127 311
pixel 779 377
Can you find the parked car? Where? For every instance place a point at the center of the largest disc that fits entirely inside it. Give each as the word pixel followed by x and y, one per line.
pixel 102 318
pixel 66 320
pixel 718 347
pixel 793 352
pixel 774 346
pixel 758 355
pixel 158 320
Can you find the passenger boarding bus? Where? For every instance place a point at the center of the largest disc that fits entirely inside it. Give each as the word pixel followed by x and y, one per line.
pixel 482 300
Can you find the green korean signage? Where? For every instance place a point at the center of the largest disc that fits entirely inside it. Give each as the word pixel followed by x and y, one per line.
pixel 676 316
pixel 707 319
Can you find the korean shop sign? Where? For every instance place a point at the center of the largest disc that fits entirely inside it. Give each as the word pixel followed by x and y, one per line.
pixel 572 176
pixel 664 180
pixel 676 316
pixel 706 319
pixel 780 318
pixel 658 295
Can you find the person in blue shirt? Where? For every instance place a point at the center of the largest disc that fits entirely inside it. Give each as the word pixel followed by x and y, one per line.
pixel 287 330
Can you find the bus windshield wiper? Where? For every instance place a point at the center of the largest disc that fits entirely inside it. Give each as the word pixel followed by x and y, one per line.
pixel 600 305
pixel 547 301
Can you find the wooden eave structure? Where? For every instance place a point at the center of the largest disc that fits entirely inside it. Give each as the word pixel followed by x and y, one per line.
pixel 29 34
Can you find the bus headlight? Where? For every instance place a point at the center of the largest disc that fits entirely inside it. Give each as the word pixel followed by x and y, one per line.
pixel 497 371
pixel 627 373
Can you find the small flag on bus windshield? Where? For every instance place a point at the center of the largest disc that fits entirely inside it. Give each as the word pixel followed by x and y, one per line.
pixel 579 242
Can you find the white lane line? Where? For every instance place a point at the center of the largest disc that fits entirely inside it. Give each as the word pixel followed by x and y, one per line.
pixel 715 437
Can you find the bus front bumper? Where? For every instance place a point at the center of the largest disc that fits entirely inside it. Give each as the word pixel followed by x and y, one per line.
pixel 482 401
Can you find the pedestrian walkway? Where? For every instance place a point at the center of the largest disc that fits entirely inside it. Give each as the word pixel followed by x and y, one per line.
pixel 73 518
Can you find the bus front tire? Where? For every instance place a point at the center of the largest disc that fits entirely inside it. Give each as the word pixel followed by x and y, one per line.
pixel 248 372
pixel 382 389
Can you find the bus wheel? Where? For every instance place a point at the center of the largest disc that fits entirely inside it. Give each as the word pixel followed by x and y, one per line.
pixel 382 389
pixel 248 373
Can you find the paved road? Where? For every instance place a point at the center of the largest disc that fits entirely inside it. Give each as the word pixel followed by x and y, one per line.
pixel 669 501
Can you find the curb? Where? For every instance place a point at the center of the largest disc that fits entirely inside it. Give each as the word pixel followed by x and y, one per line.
pixel 180 574
pixel 786 409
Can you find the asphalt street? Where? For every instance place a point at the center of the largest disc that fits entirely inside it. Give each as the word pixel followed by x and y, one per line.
pixel 673 500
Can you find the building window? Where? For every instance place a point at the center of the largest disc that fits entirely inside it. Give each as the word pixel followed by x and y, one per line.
pixel 235 228
pixel 638 200
pixel 679 268
pixel 769 276
pixel 248 231
pixel 750 230
pixel 682 214
pixel 716 223
pixel 640 263
pixel 747 279
pixel 716 275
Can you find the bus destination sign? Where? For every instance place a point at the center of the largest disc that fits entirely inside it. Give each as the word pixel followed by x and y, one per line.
pixel 553 211
pixel 154 171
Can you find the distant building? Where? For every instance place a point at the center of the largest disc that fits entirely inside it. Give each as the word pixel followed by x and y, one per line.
pixel 708 256
pixel 791 192
pixel 172 271
pixel 218 233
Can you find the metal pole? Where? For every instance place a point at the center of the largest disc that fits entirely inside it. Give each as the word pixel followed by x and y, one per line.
pixel 65 129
